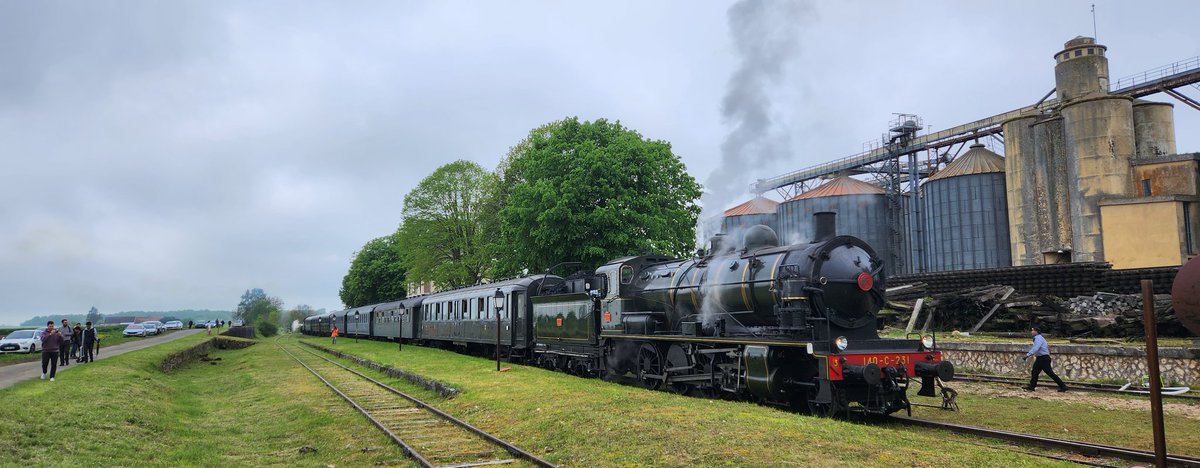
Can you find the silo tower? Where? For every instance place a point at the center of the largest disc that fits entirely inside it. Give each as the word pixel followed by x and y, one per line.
pixel 1099 141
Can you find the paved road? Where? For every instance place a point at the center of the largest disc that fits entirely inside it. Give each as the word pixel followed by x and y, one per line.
pixel 14 373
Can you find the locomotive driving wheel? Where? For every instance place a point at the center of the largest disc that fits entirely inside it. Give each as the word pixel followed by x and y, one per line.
pixel 650 369
pixel 677 357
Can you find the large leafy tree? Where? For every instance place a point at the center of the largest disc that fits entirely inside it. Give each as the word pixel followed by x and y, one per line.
pixel 443 230
pixel 260 311
pixel 376 274
pixel 590 192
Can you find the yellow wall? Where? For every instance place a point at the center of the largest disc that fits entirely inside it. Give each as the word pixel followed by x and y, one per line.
pixel 1143 235
pixel 1169 178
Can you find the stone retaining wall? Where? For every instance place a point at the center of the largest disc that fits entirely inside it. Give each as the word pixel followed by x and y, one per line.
pixel 1078 362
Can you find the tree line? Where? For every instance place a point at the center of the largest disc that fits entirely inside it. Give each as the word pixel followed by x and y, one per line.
pixel 585 191
pixel 93 315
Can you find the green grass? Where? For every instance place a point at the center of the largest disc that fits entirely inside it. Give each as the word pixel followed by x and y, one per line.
pixel 589 422
pixel 254 407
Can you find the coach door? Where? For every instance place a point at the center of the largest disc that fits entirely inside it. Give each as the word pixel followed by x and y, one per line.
pixel 516 316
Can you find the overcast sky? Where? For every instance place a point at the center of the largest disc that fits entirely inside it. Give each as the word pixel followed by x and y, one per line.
pixel 170 155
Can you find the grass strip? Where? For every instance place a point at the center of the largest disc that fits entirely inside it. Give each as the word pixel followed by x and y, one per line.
pixel 589 422
pixel 255 407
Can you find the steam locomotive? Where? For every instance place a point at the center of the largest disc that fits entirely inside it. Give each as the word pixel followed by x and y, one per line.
pixel 791 325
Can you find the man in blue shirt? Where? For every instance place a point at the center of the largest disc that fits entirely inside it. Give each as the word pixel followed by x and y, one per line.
pixel 1041 361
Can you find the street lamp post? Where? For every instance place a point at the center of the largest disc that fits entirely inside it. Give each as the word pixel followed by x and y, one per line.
pixel 498 303
pixel 356 326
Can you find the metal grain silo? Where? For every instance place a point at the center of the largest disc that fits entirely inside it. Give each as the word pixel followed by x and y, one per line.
pixel 758 210
pixel 861 212
pixel 966 214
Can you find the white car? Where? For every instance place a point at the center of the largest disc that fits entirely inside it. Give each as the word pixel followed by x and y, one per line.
pixel 21 341
pixel 135 329
pixel 158 326
pixel 151 328
pixel 173 325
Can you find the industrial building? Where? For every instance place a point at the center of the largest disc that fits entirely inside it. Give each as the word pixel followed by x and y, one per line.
pixel 1090 173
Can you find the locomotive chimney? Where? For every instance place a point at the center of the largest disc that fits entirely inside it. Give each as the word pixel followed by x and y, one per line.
pixel 824 226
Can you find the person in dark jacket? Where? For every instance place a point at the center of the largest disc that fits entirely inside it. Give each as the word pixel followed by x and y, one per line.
pixel 65 352
pixel 89 342
pixel 77 332
pixel 52 342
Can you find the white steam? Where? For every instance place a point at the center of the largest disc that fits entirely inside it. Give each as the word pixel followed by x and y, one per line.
pixel 766 37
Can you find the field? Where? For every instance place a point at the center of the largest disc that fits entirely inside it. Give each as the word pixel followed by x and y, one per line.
pixel 588 422
pixel 257 407
pixel 253 408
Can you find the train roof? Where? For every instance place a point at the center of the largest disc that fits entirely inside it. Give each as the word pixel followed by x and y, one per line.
pixel 487 289
pixel 401 304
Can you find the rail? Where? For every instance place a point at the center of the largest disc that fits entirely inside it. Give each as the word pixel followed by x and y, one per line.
pixel 1131 82
pixel 410 421
pixel 1086 448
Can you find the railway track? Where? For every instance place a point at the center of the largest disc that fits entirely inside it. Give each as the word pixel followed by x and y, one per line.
pixel 1084 448
pixel 428 435
pixel 1087 386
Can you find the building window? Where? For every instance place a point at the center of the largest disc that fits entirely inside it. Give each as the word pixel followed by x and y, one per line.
pixel 1187 228
pixel 1079 53
pixel 1146 188
pixel 1091 51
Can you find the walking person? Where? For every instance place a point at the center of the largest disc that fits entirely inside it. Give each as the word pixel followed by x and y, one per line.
pixel 334 333
pixel 208 325
pixel 1041 361
pixel 52 342
pixel 76 351
pixel 63 355
pixel 89 342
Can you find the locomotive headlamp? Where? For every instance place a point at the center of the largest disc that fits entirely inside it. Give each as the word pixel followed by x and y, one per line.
pixel 841 342
pixel 927 341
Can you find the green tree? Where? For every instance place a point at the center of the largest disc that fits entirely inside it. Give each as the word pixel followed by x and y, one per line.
pixel 442 233
pixel 376 274
pixel 256 308
pixel 591 192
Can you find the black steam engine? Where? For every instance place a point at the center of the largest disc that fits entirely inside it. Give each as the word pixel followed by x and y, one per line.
pixel 790 325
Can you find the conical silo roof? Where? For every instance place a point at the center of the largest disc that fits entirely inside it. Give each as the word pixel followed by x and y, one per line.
pixel 843 185
pixel 757 205
pixel 977 160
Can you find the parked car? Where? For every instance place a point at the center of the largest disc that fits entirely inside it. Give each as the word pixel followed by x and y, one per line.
pixel 135 329
pixel 239 323
pixel 151 328
pixel 173 325
pixel 213 323
pixel 21 341
pixel 158 326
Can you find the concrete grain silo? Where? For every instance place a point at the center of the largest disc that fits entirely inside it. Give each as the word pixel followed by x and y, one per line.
pixel 1098 131
pixel 966 214
pixel 1153 129
pixel 861 212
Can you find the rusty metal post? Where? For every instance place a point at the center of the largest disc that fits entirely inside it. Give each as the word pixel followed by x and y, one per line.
pixel 1156 409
